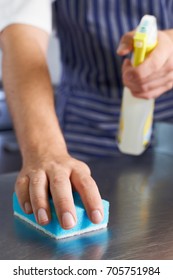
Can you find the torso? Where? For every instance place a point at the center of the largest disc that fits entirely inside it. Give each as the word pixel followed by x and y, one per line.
pixel 91 87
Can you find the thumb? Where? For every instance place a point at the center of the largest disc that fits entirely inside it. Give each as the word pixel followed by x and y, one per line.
pixel 126 44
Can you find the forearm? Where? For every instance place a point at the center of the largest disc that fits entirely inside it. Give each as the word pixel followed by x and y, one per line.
pixel 29 94
pixel 46 163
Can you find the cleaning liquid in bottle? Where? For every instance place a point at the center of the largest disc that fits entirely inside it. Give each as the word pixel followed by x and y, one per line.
pixel 135 127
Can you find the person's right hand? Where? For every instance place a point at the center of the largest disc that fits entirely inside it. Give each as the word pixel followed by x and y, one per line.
pixel 154 76
pixel 59 175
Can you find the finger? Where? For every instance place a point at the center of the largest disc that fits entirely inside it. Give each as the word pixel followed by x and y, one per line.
pixel 127 65
pixel 38 190
pixel 131 78
pixel 156 59
pixel 131 75
pixel 126 44
pixel 61 191
pixel 22 191
pixel 154 93
pixel 128 72
pixel 154 84
pixel 165 81
pixel 88 190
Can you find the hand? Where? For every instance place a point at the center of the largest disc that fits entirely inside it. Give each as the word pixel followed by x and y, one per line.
pixel 155 75
pixel 40 175
pixel 46 164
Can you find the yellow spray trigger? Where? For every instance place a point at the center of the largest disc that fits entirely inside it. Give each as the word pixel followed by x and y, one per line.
pixel 145 39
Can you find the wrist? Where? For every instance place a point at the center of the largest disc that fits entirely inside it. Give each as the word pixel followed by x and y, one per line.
pixel 42 144
pixel 45 151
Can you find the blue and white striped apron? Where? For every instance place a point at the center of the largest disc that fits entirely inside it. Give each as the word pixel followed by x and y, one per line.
pixel 90 90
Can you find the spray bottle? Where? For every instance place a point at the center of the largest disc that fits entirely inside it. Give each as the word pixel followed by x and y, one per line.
pixel 135 127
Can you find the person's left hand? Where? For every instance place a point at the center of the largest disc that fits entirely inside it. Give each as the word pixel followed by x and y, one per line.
pixel 154 76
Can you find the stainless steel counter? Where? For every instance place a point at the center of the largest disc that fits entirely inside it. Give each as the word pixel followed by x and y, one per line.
pixel 140 192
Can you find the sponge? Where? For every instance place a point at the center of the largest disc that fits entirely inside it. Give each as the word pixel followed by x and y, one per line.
pixel 54 229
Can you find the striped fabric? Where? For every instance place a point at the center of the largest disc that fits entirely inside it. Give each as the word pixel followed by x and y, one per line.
pixel 90 90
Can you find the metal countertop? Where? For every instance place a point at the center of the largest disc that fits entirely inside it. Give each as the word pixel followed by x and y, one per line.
pixel 140 192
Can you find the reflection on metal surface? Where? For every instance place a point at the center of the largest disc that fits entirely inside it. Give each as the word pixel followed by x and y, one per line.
pixel 140 192
pixel 90 245
pixel 93 245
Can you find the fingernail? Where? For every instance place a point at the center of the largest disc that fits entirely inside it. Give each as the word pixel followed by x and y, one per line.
pixel 121 47
pixel 96 217
pixel 129 77
pixel 42 216
pixel 28 207
pixel 68 220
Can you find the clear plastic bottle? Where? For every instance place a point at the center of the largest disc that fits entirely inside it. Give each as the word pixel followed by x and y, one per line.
pixel 135 127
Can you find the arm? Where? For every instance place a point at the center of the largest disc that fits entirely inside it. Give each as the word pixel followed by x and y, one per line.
pixel 155 75
pixel 46 162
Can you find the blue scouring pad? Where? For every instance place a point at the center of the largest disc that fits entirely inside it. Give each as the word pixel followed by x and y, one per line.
pixel 54 229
